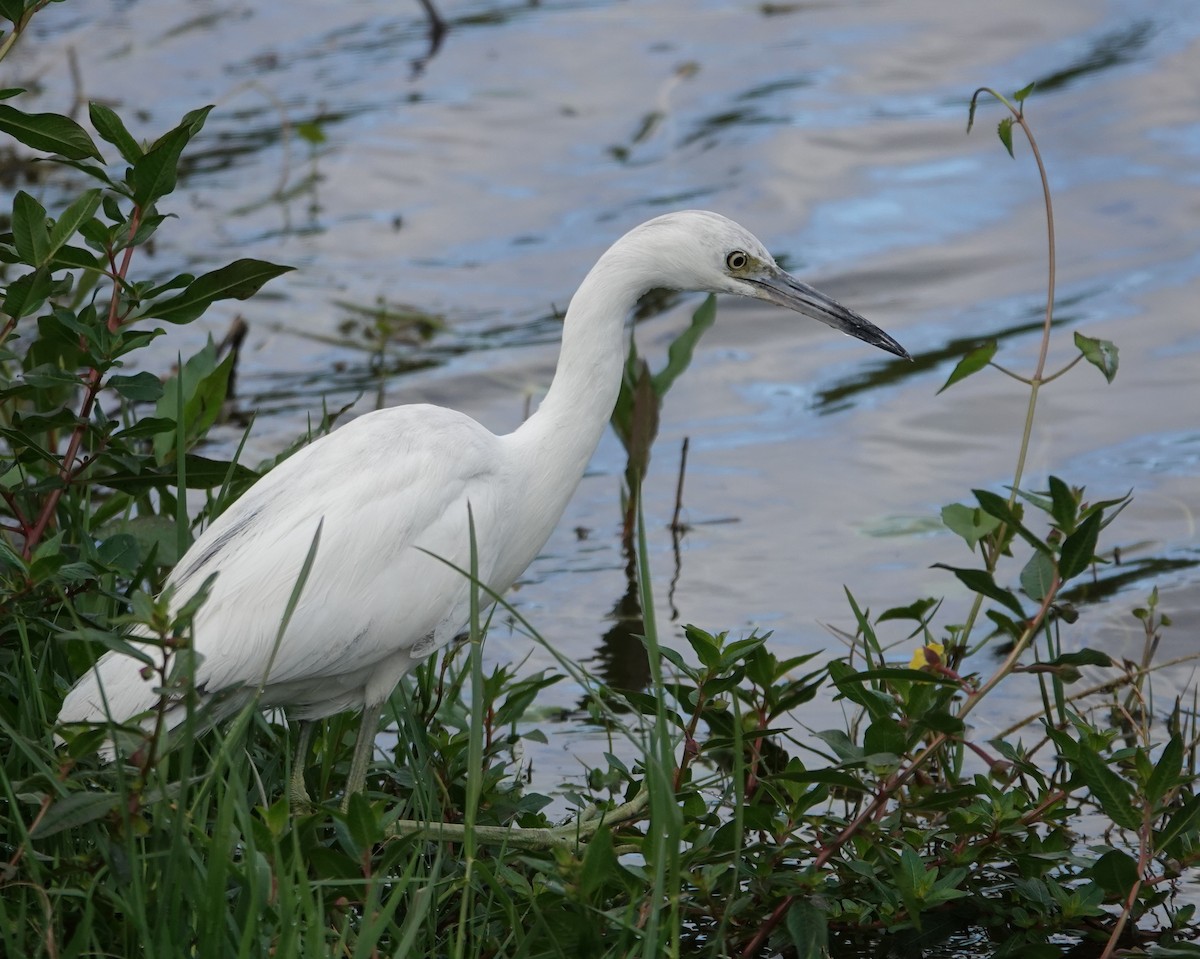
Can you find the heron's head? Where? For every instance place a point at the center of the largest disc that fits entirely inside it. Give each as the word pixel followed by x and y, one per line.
pixel 699 250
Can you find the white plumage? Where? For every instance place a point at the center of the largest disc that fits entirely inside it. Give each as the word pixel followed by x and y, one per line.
pixel 390 491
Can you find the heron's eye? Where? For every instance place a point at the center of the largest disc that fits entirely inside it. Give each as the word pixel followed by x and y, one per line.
pixel 737 260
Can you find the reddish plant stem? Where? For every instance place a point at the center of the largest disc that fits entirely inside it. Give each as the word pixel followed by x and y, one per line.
pixel 878 805
pixel 91 387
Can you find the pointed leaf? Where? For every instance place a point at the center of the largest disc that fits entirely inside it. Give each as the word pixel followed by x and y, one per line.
pixel 1116 872
pixel 48 132
pixel 1023 94
pixel 1064 506
pixel 980 581
pixel 1037 578
pixel 1166 771
pixel 971 524
pixel 154 175
pixel 30 235
pixel 679 353
pixel 239 280
pixel 1079 549
pixel 1012 516
pixel 1102 354
pixel 111 128
pixel 1113 793
pixel 81 210
pixel 972 363
pixel 75 810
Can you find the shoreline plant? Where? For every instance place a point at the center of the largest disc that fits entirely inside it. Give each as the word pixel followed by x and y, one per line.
pixel 716 826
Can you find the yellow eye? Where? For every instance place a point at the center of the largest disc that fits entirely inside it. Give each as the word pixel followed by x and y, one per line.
pixel 737 260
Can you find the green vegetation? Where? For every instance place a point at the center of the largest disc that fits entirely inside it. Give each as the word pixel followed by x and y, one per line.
pixel 712 828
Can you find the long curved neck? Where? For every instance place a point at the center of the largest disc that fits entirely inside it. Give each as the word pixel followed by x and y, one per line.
pixel 566 428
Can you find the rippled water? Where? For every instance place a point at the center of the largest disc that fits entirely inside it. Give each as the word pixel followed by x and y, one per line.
pixel 477 182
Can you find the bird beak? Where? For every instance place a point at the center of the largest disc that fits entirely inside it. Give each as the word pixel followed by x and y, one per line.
pixel 785 290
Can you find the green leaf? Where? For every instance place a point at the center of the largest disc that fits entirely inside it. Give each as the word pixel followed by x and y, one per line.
pixel 111 128
pixel 1023 94
pixel 1079 549
pixel 1004 131
pixel 980 581
pixel 48 132
pixel 1082 657
pixel 75 810
pixel 30 235
pixel 81 210
pixel 27 293
pixel 155 173
pixel 679 353
pixel 972 363
pixel 808 928
pixel 600 867
pixel 1181 829
pixel 1064 505
pixel 1166 771
pixel 120 552
pixel 1116 872
pixel 1102 354
pixel 202 473
pixel 971 524
pixel 203 383
pixel 1037 578
pixel 1113 793
pixel 238 281
pixel 139 386
pixel 704 646
pixel 1012 516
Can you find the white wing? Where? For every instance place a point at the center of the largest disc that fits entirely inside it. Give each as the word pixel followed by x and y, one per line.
pixel 384 489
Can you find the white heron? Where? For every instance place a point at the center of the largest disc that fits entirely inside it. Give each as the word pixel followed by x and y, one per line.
pixel 391 490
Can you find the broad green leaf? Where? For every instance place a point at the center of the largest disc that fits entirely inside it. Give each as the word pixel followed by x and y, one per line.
pixel 112 128
pixel 1102 354
pixel 1181 829
pixel 1082 657
pixel 1023 94
pixel 77 809
pixel 203 383
pixel 1079 549
pixel 1037 578
pixel 972 524
pixel 1064 505
pixel 1113 793
pixel 120 551
pixel 1166 770
pixel 30 234
pixel 48 132
pixel 1116 872
pixel 238 281
pixel 27 293
pixel 807 928
pixel 81 210
pixel 202 473
pixel 138 386
pixel 972 363
pixel 704 646
pixel 600 867
pixel 980 581
pixel 154 174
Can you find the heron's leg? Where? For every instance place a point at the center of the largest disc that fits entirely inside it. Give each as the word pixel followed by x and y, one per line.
pixel 364 749
pixel 298 797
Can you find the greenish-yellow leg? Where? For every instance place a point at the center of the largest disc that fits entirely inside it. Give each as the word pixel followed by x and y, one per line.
pixel 364 749
pixel 298 797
